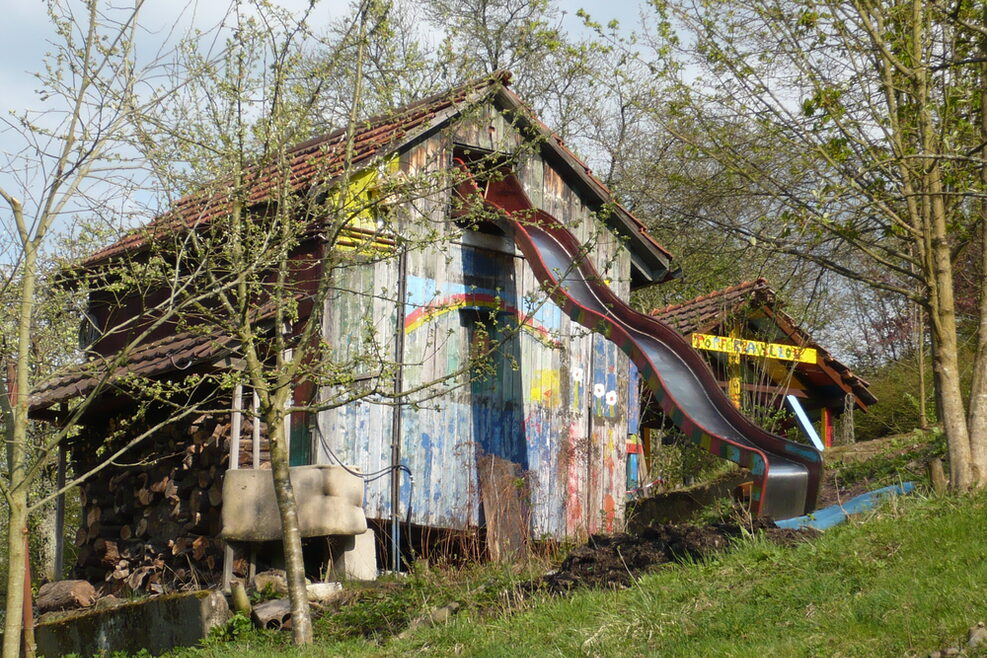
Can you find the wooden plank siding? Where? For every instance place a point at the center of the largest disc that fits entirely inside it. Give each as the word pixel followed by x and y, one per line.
pixel 538 409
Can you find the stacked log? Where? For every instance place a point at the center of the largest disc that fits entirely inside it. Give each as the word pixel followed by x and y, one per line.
pixel 65 595
pixel 247 444
pixel 153 525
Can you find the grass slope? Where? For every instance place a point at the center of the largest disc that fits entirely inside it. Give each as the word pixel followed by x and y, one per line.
pixel 906 580
pixel 909 580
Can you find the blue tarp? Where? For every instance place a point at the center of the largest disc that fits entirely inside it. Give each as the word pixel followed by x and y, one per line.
pixel 826 518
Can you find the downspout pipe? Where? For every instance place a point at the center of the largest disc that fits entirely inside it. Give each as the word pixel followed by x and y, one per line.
pixel 397 409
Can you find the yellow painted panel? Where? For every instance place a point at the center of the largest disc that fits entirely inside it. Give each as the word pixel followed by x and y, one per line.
pixel 364 231
pixel 754 348
pixel 546 387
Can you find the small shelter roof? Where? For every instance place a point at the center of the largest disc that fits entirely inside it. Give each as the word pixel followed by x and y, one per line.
pixel 708 313
pixel 175 352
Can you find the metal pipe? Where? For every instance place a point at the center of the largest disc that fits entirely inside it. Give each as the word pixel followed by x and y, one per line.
pixel 804 421
pixel 236 418
pixel 396 413
pixel 255 436
pixel 591 381
pixel 255 451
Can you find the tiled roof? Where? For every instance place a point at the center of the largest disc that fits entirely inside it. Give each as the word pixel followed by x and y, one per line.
pixel 176 352
pixel 325 157
pixel 707 312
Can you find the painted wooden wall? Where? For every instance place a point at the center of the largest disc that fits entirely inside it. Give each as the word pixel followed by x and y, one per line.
pixel 556 401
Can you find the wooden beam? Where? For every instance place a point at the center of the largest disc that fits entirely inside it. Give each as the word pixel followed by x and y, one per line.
pixel 827 427
pixel 763 388
pixel 734 372
pixel 60 514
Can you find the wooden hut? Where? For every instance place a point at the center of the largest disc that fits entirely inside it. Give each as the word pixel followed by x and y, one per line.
pixel 541 440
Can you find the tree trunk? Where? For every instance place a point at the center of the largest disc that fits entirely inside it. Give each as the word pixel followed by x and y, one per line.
pixel 946 372
pixel 18 485
pixel 939 268
pixel 977 412
pixel 16 554
pixel 294 563
pixel 923 394
pixel 945 356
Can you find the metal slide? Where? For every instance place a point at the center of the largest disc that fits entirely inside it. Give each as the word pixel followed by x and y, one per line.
pixel 786 474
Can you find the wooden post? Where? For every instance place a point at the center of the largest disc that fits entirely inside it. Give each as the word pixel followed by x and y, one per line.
pixel 236 419
pixel 60 514
pixel 734 373
pixel 827 427
pixel 937 474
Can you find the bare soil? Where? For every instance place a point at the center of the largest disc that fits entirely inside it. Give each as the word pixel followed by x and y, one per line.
pixel 836 492
pixel 653 539
pixel 616 560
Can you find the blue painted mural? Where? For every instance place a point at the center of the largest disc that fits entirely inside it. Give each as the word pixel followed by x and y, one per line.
pixel 552 398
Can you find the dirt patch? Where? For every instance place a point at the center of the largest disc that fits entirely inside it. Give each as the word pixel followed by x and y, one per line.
pixel 834 491
pixel 616 560
pixel 681 505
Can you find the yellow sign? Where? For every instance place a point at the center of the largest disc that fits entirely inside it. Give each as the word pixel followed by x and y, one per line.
pixel 754 348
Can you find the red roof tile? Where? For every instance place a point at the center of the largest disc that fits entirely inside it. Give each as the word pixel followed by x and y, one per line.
pixel 707 312
pixel 325 156
pixel 176 352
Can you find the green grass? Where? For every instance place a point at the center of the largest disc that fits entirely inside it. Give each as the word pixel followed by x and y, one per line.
pixel 902 457
pixel 909 579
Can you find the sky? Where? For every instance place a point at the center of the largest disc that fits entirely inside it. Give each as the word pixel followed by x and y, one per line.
pixel 25 29
pixel 26 32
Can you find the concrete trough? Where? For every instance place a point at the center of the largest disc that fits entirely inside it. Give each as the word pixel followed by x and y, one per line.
pixel 156 624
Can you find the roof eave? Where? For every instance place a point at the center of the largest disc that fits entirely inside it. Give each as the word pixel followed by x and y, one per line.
pixel 652 263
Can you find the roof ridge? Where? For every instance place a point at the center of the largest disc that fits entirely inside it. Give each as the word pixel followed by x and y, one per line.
pixel 206 195
pixel 754 285
pixel 503 76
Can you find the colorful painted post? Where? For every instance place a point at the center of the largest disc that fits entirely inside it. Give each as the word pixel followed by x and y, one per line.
pixel 827 427
pixel 646 447
pixel 734 372
pixel 633 450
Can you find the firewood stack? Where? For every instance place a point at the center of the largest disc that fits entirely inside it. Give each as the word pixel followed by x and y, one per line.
pixel 153 525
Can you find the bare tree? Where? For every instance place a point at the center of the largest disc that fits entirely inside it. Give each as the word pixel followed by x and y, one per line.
pixel 274 222
pixel 850 125
pixel 77 156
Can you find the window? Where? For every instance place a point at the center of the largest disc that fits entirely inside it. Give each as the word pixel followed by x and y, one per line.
pixel 474 168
